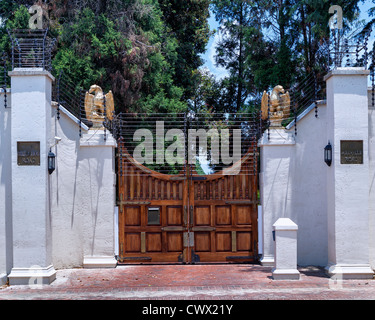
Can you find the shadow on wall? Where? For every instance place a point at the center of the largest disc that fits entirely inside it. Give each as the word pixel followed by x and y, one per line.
pixel 372 180
pixel 67 230
pixel 6 178
pixel 277 199
pixel 276 181
pixel 93 163
pixel 82 194
pixel 372 146
pixel 308 190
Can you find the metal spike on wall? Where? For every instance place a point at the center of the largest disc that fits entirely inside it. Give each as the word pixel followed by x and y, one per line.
pixel 58 95
pixel 5 78
pixel 295 121
pixel 80 114
pixel 105 117
pixel 269 117
pixel 126 124
pixel 316 94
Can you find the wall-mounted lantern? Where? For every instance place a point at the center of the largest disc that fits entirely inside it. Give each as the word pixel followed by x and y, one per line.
pixel 51 162
pixel 52 157
pixel 328 154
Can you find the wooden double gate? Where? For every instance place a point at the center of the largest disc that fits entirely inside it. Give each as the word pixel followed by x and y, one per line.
pixel 187 218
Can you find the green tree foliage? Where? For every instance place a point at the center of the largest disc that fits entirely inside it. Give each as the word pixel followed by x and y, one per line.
pixel 148 51
pixel 206 92
pixel 136 48
pixel 19 20
pixel 238 19
pixel 187 21
pixel 266 43
pixel 123 46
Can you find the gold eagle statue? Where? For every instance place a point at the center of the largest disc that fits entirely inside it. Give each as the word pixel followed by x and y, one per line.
pixel 94 105
pixel 278 104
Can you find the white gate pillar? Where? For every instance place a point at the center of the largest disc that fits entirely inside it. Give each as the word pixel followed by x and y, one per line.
pixel 277 149
pixel 97 151
pixel 30 144
pixel 348 176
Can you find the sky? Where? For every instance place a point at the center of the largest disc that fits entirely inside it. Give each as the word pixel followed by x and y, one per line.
pixel 209 56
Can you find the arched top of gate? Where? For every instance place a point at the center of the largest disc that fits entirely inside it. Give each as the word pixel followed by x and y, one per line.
pixel 228 141
pixel 124 155
pixel 247 165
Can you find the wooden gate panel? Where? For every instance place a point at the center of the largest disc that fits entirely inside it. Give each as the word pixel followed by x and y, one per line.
pixel 225 215
pixel 224 233
pixel 152 219
pixel 151 234
pixel 174 219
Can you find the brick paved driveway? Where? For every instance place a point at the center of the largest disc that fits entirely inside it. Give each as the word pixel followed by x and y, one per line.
pixel 190 282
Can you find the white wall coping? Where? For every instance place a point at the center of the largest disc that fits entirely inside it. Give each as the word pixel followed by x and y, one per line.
pixel 92 137
pixel 305 113
pixel 71 116
pixel 95 138
pixel 285 224
pixel 278 137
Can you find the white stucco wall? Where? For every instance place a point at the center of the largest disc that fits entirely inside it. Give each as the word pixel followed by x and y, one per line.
pixel 372 180
pixel 295 181
pixel 31 110
pixel 5 189
pixel 82 190
pixel 308 200
pixel 275 157
pixel 348 184
pixel 293 185
pixel 83 194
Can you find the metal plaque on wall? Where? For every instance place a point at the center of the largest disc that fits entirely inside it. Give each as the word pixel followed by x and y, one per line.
pixel 28 153
pixel 352 152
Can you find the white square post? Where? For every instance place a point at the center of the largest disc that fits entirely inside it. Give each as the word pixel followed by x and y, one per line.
pixel 285 231
pixel 30 145
pixel 276 153
pixel 348 176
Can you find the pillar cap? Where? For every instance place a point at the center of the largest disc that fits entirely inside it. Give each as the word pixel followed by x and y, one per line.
pixel 348 71
pixel 29 72
pixel 285 224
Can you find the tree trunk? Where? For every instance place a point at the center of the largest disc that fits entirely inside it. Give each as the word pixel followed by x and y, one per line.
pixel 240 62
pixel 305 39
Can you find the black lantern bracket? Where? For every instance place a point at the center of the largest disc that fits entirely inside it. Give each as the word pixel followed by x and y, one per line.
pixel 52 157
pixel 328 154
pixel 51 162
